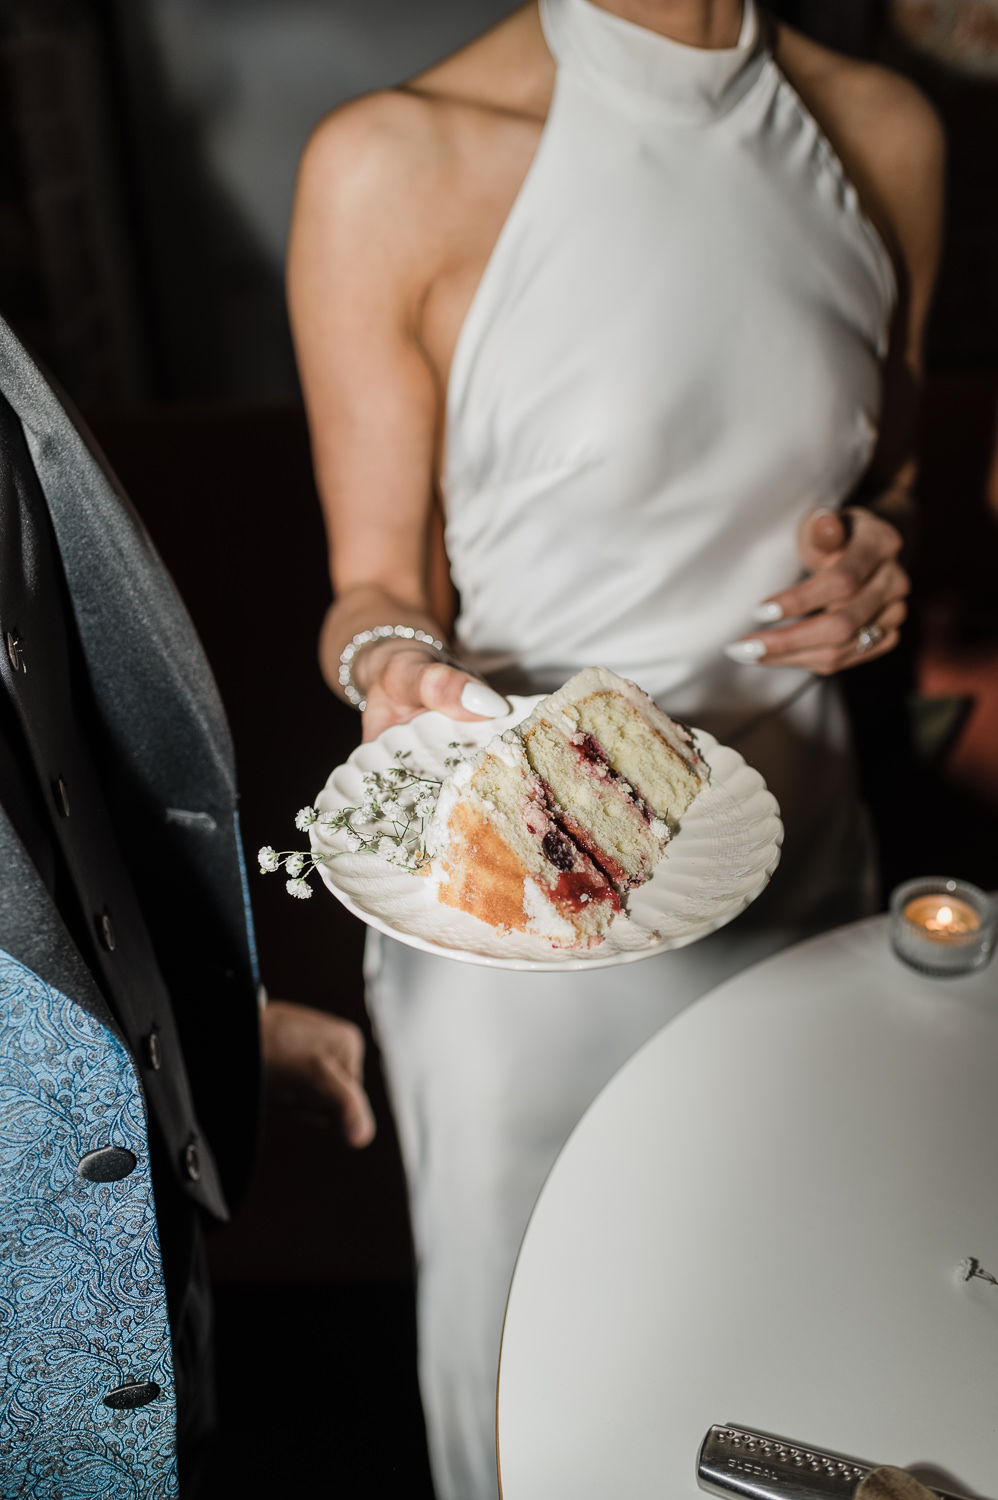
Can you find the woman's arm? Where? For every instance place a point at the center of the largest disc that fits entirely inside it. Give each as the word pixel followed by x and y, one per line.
pixel 891 144
pixel 363 253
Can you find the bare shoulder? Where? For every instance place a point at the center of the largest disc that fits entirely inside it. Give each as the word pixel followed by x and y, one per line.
pixel 401 194
pixel 371 205
pixel 379 141
pixel 886 132
pixel 361 154
pixel 861 95
pixel 405 158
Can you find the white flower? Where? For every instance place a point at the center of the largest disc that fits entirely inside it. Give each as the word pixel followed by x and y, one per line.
pixel 305 818
pixel 354 842
pixel 387 847
pixel 269 861
pixel 393 808
pixel 294 864
pixel 299 888
pixel 427 807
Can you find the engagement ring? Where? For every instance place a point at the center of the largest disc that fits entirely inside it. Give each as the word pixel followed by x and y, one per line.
pixel 867 638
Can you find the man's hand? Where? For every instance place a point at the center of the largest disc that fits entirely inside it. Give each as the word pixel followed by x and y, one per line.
pixel 848 611
pixel 315 1062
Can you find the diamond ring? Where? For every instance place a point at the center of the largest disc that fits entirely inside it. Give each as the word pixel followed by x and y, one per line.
pixel 867 638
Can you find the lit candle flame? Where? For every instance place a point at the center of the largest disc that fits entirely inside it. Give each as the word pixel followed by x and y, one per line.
pixel 943 921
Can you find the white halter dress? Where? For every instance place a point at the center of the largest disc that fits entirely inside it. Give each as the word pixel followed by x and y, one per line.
pixel 672 358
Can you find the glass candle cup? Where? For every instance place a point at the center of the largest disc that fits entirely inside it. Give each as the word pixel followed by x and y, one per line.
pixel 942 927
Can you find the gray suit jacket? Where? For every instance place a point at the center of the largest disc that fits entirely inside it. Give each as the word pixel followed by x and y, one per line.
pixel 88 1338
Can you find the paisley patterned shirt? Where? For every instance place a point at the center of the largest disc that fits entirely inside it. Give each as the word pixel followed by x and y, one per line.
pixel 83 1307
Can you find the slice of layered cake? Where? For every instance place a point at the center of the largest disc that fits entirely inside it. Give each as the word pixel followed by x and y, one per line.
pixel 500 853
pixel 549 826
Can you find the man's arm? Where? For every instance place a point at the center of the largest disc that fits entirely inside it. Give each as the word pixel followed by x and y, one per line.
pixel 315 1063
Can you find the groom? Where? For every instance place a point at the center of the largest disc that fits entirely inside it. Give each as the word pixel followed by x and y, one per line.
pixel 129 1026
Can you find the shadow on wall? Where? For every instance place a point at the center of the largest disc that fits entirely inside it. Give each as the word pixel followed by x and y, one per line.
pixel 217 102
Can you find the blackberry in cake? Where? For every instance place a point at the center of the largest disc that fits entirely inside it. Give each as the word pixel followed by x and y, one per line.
pixel 549 826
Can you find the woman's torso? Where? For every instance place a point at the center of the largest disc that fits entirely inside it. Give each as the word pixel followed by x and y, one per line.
pixel 671 358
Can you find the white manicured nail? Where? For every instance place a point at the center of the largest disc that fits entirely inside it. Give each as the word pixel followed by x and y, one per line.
pixel 476 698
pixel 768 612
pixel 745 652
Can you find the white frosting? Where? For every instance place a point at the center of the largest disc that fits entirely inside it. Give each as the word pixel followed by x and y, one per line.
pixel 507 748
pixel 450 792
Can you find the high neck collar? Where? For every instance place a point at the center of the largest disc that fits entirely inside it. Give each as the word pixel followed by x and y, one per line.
pixel 649 71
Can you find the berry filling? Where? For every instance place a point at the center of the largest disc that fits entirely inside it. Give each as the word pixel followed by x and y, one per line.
pixel 592 754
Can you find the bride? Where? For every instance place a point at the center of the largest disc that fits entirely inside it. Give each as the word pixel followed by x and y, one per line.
pixel 611 322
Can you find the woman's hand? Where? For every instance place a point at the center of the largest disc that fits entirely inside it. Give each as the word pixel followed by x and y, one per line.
pixel 400 680
pixel 848 611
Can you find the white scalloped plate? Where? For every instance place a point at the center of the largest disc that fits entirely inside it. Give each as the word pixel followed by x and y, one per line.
pixel 718 863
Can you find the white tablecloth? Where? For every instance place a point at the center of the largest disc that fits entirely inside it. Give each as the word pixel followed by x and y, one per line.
pixel 760 1221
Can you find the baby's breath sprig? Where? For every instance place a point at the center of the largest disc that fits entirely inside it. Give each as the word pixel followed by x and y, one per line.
pixel 391 822
pixel 297 865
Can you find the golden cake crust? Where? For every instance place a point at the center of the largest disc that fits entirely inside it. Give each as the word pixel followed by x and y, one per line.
pixel 481 874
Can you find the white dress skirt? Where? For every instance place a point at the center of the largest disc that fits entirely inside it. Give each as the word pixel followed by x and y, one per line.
pixel 673 357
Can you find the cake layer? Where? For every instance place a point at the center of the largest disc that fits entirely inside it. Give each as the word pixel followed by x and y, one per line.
pixel 503 858
pixel 597 807
pixel 654 754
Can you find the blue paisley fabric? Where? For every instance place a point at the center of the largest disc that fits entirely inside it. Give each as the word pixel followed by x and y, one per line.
pixel 82 1298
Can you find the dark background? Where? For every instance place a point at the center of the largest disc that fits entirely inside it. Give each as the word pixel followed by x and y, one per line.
pixel 147 159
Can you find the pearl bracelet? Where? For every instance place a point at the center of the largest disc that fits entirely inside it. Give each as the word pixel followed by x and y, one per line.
pixel 365 638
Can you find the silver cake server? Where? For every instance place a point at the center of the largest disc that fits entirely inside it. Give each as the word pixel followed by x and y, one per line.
pixel 735 1461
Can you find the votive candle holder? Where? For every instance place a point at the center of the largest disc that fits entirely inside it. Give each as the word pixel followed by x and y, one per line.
pixel 941 926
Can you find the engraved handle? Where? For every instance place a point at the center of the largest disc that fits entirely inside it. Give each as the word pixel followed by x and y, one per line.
pixel 735 1461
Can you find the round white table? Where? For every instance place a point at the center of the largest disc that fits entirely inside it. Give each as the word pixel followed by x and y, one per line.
pixel 760 1221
